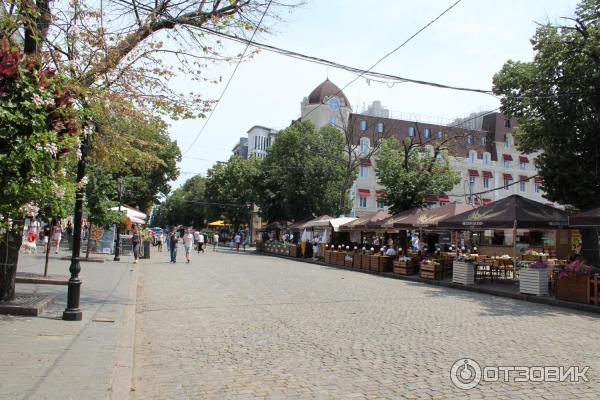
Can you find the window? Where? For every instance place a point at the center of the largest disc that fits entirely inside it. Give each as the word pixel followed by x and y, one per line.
pixel 333 120
pixel 469 139
pixel 363 125
pixel 506 163
pixel 362 202
pixel 256 142
pixel 538 187
pixel 483 140
pixel 523 165
pixel 486 183
pixel 411 131
pixel 427 133
pixel 522 186
pixel 486 158
pixel 507 123
pixel 440 135
pixel 364 171
pixel 471 184
pixel 472 157
pixel 506 141
pixel 380 127
pixel 506 184
pixel 364 146
pixel 380 203
pixel 333 103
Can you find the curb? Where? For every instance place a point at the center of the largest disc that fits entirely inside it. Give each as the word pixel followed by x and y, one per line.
pixel 121 383
pixel 550 301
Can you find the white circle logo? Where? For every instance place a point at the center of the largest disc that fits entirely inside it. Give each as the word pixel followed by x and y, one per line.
pixel 465 374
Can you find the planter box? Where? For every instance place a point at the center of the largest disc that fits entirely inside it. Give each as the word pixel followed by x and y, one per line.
pixel 533 281
pixel 327 256
pixel 375 266
pixel 463 273
pixel 293 250
pixel 431 271
pixel 349 260
pixel 365 262
pixel 356 260
pixel 404 267
pixel 339 258
pixel 386 264
pixel 576 290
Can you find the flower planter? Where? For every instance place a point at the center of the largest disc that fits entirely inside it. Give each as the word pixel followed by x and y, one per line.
pixel 340 258
pixel 327 256
pixel 576 290
pixel 356 260
pixel 349 260
pixel 463 273
pixel 375 260
pixel 533 281
pixel 431 271
pixel 365 263
pixel 404 267
pixel 385 264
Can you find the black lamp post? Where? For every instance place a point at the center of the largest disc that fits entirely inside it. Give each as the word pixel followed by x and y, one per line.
pixel 120 188
pixel 72 312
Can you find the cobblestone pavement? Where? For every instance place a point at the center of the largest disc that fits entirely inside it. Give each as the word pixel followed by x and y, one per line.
pixel 235 326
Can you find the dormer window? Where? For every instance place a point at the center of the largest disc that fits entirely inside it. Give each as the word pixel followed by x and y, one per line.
pixel 440 135
pixel 363 125
pixel 380 127
pixel 411 131
pixel 427 133
pixel 507 123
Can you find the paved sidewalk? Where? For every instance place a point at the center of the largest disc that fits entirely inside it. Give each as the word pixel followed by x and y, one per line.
pixel 47 358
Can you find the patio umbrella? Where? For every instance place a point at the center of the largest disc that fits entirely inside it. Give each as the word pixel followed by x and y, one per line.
pixel 585 218
pixel 429 218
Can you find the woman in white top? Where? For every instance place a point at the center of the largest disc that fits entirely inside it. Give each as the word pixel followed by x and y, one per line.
pixel 188 243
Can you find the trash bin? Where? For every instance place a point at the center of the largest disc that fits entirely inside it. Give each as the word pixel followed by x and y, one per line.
pixel 146 253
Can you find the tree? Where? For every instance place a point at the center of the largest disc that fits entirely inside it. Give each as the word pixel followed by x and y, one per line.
pixel 230 189
pixel 556 101
pixel 302 174
pixel 410 173
pixel 184 206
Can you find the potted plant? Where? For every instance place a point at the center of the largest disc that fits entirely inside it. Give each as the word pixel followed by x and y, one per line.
pixel 430 269
pixel 403 266
pixel 533 278
pixel 463 270
pixel 573 282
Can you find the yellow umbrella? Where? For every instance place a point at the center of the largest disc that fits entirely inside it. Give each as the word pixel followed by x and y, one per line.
pixel 217 223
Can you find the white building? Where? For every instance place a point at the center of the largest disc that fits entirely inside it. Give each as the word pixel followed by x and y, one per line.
pixel 260 138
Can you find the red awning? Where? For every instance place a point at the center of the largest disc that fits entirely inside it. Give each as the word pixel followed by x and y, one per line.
pixel 443 199
pixel 538 180
pixel 487 201
pixel 523 159
pixel 364 192
pixel 440 199
pixel 487 174
pixel 523 178
pixel 507 177
pixel 473 172
pixel 379 193
pixel 365 162
pixel 507 157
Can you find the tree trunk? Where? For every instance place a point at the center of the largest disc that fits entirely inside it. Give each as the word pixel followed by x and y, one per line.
pixel 589 245
pixel 10 243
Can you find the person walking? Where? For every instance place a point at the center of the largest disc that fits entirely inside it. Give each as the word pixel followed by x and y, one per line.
pixel 200 243
pixel 159 240
pixel 57 234
pixel 32 231
pixel 136 239
pixel 69 232
pixel 215 242
pixel 173 240
pixel 188 243
pixel 238 240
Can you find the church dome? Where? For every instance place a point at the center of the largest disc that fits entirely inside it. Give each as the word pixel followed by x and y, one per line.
pixel 325 91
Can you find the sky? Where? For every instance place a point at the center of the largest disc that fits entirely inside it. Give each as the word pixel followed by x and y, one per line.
pixel 465 48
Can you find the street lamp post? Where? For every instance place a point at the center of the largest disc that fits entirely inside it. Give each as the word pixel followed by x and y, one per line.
pixel 118 233
pixel 72 312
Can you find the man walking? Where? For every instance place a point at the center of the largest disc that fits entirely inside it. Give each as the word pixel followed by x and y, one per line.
pixel 215 242
pixel 136 239
pixel 173 240
pixel 188 243
pixel 200 243
pixel 237 239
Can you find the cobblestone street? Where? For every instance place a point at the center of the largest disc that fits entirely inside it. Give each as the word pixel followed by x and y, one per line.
pixel 240 326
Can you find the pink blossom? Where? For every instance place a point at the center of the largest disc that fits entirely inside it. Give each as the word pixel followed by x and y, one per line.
pixel 37 99
pixel 51 149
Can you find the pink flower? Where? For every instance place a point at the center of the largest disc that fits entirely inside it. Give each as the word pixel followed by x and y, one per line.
pixel 37 99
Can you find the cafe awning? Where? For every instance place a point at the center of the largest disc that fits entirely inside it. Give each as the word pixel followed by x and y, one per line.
pixel 318 222
pixel 427 217
pixel 585 218
pixel 367 221
pixel 511 212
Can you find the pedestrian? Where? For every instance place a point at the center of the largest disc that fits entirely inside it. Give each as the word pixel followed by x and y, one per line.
pixel 188 243
pixel 173 240
pixel 47 232
pixel 32 231
pixel 168 240
pixel 200 243
pixel 69 232
pixel 196 239
pixel 237 239
pixel 215 242
pixel 160 239
pixel 57 233
pixel 136 239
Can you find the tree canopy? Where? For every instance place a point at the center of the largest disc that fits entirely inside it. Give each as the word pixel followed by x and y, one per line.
pixel 184 206
pixel 556 100
pixel 409 174
pixel 302 173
